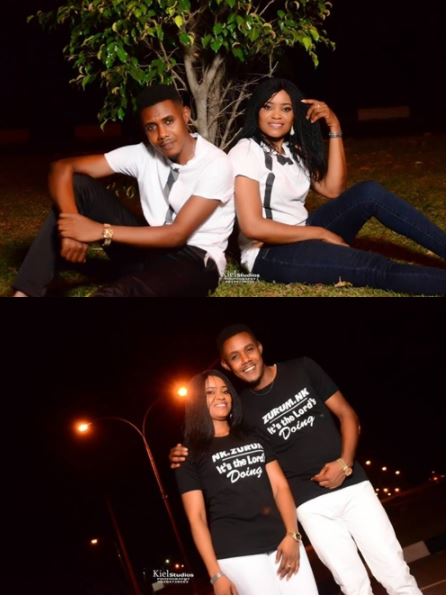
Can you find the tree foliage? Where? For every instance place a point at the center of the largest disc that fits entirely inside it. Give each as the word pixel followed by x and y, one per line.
pixel 208 47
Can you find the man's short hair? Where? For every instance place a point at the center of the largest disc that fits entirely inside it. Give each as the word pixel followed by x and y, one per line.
pixel 157 93
pixel 232 330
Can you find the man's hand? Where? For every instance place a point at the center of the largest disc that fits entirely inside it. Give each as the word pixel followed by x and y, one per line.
pixel 177 455
pixel 73 250
pixel 80 228
pixel 288 556
pixel 224 586
pixel 330 476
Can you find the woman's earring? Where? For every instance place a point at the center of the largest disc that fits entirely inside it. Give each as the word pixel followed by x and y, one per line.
pixel 292 131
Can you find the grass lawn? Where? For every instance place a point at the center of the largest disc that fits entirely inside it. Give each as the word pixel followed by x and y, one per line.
pixel 411 166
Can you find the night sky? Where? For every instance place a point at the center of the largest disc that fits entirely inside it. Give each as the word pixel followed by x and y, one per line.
pixel 116 358
pixel 388 53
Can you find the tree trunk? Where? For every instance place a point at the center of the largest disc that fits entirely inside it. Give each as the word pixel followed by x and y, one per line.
pixel 207 94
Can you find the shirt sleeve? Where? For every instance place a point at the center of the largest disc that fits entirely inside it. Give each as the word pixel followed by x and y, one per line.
pixel 127 159
pixel 187 477
pixel 269 451
pixel 247 160
pixel 217 181
pixel 324 385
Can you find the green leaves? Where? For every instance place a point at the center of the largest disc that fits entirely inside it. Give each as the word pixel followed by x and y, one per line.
pixel 126 44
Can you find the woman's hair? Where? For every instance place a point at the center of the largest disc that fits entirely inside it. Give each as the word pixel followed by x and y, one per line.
pixel 199 430
pixel 306 140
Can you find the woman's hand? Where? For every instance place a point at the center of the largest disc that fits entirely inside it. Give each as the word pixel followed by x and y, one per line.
pixel 224 586
pixel 319 233
pixel 319 110
pixel 288 556
pixel 79 228
pixel 332 238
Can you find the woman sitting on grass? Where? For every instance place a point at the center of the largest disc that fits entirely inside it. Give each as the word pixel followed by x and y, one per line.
pixel 237 500
pixel 281 154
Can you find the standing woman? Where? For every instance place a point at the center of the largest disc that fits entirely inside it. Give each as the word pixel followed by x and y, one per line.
pixel 237 500
pixel 281 154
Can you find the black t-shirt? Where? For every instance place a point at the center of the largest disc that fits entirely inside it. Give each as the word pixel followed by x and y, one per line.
pixel 241 511
pixel 291 416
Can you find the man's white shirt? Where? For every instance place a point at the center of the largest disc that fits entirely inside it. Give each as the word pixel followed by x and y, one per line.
pixel 208 174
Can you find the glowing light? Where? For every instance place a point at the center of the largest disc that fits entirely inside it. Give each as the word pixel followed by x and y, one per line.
pixel 384 468
pixel 182 391
pixel 93 541
pixel 385 489
pixel 368 462
pixel 167 561
pixel 177 566
pixel 398 472
pixel 397 489
pixel 83 426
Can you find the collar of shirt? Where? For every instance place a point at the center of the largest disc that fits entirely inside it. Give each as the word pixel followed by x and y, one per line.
pixel 282 158
pixel 192 161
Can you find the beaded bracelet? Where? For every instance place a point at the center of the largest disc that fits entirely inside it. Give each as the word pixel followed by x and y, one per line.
pixel 335 135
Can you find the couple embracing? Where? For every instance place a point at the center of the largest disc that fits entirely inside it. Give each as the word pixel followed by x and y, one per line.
pixel 246 484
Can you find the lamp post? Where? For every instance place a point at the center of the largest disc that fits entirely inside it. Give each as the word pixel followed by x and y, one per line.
pixel 83 427
pixel 123 552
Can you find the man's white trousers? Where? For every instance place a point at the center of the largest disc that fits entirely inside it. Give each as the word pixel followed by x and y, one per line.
pixel 343 521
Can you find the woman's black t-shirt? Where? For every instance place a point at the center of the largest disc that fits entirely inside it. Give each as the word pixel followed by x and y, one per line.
pixel 242 514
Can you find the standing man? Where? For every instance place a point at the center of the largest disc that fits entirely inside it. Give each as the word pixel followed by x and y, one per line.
pixel 291 405
pixel 186 187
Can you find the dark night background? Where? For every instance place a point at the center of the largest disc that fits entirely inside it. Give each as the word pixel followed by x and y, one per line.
pixel 388 53
pixel 62 361
pixel 95 359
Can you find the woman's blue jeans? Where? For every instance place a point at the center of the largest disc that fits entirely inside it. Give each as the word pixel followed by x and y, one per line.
pixel 315 261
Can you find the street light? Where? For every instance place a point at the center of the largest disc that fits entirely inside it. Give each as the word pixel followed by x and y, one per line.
pixel 83 427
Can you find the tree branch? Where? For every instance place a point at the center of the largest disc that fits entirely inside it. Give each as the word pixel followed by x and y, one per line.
pixel 266 7
pixel 225 144
pixel 233 115
pixel 213 70
pixel 179 82
pixel 190 72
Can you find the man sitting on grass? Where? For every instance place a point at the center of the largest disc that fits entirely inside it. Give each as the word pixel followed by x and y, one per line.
pixel 185 185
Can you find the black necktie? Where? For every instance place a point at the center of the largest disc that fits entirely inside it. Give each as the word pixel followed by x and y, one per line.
pixel 173 176
pixel 283 159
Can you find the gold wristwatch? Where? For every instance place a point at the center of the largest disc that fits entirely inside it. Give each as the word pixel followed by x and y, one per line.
pixel 346 469
pixel 108 233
